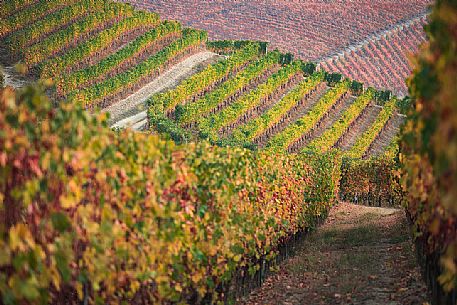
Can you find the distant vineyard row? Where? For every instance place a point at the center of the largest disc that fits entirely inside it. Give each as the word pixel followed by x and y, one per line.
pixel 382 62
pixel 96 52
pixel 275 103
pixel 100 52
pixel 314 30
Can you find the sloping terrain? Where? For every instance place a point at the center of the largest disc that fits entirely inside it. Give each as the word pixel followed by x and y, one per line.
pixel 382 60
pixel 134 104
pixel 273 106
pixel 108 55
pixel 96 52
pixel 315 30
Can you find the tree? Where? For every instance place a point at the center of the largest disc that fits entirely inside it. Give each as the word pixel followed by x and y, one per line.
pixel 356 87
pixel 309 68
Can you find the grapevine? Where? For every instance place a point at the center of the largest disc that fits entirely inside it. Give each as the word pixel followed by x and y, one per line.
pixel 30 14
pixel 209 127
pixel 54 66
pixel 254 128
pixel 202 80
pixel 283 140
pixel 92 95
pixel 364 141
pixel 331 136
pixel 26 36
pixel 68 83
pixel 192 112
pixel 113 12
pixel 127 213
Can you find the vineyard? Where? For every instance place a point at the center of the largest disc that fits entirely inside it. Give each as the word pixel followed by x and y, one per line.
pixel 372 61
pixel 150 225
pixel 246 145
pixel 96 52
pixel 317 31
pixel 277 106
pixel 100 53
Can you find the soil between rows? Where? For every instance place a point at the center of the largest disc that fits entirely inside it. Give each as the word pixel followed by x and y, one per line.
pixel 361 255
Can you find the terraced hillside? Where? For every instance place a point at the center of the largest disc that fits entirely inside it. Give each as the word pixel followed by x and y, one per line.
pixel 146 71
pixel 316 30
pixel 96 52
pixel 381 60
pixel 270 104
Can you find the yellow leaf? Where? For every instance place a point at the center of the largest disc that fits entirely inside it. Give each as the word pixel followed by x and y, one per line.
pixel 67 202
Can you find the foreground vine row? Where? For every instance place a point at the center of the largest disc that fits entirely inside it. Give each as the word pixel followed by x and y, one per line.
pixel 177 223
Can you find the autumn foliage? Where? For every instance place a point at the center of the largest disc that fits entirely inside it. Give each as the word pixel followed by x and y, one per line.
pixel 110 217
pixel 429 147
pixel 372 182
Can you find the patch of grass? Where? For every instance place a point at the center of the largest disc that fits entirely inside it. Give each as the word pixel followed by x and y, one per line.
pixel 348 284
pixel 368 217
pixel 303 264
pixel 360 236
pixel 399 238
pixel 316 261
pixel 328 236
pixel 342 237
pixel 361 260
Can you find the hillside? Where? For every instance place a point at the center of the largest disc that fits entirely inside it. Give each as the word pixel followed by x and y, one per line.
pixel 382 60
pixel 108 55
pixel 277 106
pixel 313 30
pixel 144 162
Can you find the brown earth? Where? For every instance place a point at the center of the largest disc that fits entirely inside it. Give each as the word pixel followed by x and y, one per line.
pixel 361 255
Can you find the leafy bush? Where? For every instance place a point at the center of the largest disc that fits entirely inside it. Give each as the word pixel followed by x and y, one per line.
pixel 333 78
pixel 381 97
pixel 119 217
pixel 356 87
pixel 371 182
pixel 230 46
pixel 429 145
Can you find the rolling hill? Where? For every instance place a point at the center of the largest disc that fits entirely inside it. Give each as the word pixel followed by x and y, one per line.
pixel 148 71
pixel 316 30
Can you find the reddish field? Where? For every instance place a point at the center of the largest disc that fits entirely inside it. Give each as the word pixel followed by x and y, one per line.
pixel 313 30
pixel 382 62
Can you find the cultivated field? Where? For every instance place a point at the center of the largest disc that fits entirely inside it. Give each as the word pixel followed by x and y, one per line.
pixel 382 60
pixel 252 100
pixel 312 30
pixel 219 156
pixel 109 55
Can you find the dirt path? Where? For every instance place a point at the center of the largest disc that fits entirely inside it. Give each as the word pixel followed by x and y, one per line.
pixel 361 255
pixel 12 78
pixel 134 104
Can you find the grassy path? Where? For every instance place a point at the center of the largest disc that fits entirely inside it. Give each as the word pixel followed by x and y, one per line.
pixel 361 255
